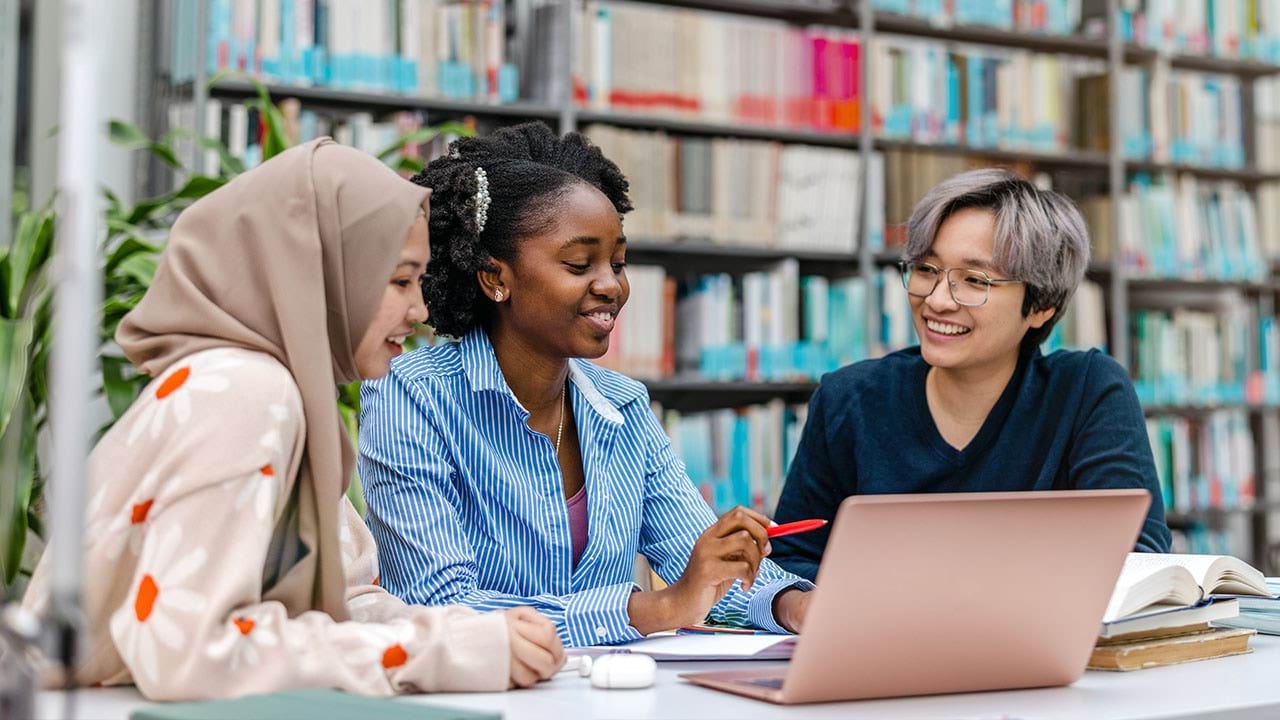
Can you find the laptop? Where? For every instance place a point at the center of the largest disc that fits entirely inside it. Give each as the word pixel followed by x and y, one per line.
pixel 944 593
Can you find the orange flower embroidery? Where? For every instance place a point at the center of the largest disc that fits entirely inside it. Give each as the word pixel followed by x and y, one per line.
pixel 170 402
pixel 173 382
pixel 267 470
pixel 139 512
pixel 148 592
pixel 245 625
pixel 394 657
pixel 375 581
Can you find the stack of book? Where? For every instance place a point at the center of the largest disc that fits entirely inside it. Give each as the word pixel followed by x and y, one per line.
pixel 1259 613
pixel 1165 609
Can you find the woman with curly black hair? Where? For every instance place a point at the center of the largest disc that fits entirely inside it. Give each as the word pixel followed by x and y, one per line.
pixel 504 469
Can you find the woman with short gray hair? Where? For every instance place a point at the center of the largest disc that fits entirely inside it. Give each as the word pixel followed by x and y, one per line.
pixel 990 264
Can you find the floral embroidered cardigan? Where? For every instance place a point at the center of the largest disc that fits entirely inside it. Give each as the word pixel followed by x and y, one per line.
pixel 187 489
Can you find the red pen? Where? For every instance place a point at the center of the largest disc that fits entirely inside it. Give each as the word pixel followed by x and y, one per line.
pixel 798 526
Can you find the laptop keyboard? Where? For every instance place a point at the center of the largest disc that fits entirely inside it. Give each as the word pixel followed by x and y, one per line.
pixel 773 683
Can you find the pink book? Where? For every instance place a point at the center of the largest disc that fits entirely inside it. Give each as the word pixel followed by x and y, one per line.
pixel 823 91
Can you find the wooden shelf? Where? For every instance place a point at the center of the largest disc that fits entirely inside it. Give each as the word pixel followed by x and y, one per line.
pixel 693 126
pixel 1250 176
pixel 801 12
pixel 1198 409
pixel 382 101
pixel 692 393
pixel 1158 284
pixel 1088 159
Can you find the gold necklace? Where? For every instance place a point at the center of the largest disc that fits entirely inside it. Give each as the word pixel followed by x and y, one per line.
pixel 560 426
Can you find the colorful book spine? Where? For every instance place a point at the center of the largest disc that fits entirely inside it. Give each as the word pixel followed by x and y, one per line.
pixel 452 49
pixel 737 456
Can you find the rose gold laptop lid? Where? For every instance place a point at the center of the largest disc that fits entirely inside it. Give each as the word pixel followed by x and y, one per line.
pixel 941 593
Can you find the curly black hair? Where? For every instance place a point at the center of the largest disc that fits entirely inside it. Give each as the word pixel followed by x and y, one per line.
pixel 529 168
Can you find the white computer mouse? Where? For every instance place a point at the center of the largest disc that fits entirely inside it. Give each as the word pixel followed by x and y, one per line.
pixel 623 671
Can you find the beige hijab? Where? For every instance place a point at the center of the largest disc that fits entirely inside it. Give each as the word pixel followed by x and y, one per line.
pixel 290 259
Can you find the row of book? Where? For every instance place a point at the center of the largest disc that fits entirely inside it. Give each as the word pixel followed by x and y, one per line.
pixel 1247 29
pixel 1200 539
pixel 241 130
pixel 1052 17
pixel 1188 356
pixel 766 325
pixel 751 192
pixel 644 58
pixel 931 92
pixel 1180 116
pixel 1185 228
pixel 1204 462
pixel 737 456
pixel 455 49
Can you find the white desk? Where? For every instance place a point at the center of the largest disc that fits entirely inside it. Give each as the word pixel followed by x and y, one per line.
pixel 1237 688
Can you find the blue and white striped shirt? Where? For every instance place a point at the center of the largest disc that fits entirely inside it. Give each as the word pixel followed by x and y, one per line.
pixel 467 505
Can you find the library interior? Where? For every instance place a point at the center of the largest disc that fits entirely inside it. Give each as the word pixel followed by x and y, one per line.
pixel 740 358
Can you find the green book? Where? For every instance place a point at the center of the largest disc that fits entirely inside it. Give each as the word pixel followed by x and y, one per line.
pixel 315 704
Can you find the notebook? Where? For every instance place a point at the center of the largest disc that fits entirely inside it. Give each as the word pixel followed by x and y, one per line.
pixel 705 646
pixel 313 704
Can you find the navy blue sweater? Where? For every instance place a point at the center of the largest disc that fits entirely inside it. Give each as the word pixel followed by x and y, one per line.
pixel 1067 420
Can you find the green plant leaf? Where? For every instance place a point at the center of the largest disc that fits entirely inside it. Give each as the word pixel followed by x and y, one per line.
pixel 17 478
pixel 130 136
pixel 230 165
pixel 119 390
pixel 26 260
pixel 15 356
pixel 424 135
pixel 140 267
pixel 197 186
pixel 412 166
pixel 130 246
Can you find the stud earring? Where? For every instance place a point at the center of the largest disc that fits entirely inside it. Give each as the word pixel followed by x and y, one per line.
pixel 497 294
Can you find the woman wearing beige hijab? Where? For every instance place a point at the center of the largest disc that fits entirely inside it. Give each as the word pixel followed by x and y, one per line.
pixel 223 558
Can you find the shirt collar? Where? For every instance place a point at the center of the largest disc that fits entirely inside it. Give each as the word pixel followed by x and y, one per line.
pixel 480 366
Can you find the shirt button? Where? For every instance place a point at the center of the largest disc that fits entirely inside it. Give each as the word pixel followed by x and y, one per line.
pixel 601 632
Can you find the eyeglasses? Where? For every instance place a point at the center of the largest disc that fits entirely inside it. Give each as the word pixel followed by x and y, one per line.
pixel 969 287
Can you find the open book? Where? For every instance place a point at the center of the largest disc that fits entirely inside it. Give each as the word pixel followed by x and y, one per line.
pixel 1150 579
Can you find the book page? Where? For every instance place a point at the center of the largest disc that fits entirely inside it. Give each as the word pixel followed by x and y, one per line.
pixel 1141 585
pixel 1221 574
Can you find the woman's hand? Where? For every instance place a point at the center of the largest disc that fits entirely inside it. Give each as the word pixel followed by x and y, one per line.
pixel 536 651
pixel 729 550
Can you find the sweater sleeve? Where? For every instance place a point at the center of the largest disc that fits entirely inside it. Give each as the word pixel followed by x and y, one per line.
pixel 1110 448
pixel 812 490
pixel 193 623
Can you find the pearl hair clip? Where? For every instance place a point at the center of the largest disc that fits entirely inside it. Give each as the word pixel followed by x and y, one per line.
pixel 482 199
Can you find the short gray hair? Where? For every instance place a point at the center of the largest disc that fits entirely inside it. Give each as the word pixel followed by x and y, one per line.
pixel 1040 237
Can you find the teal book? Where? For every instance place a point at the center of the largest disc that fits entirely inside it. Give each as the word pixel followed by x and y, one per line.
pixel 313 704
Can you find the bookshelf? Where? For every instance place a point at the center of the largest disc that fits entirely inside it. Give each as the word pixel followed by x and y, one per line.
pixel 1110 170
